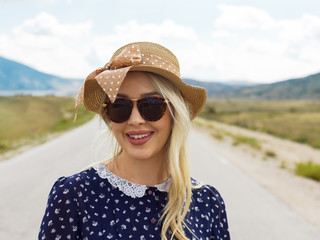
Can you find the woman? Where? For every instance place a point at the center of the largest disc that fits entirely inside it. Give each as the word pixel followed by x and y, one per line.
pixel 145 191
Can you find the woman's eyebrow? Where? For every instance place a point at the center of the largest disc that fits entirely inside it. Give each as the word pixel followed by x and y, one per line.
pixel 149 94
pixel 142 95
pixel 122 95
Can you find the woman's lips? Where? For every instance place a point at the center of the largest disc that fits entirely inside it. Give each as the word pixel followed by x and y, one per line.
pixel 139 137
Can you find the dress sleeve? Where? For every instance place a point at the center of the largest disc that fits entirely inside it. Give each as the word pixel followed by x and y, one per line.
pixel 60 219
pixel 220 223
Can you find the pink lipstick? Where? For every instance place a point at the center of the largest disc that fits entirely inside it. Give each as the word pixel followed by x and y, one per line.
pixel 139 137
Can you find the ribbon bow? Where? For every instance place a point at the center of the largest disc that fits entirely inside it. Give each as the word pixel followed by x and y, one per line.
pixel 128 57
pixel 113 73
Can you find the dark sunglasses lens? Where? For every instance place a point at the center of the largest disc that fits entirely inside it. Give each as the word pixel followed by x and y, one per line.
pixel 152 109
pixel 119 111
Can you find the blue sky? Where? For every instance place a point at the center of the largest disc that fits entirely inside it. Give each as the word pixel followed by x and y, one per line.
pixel 257 41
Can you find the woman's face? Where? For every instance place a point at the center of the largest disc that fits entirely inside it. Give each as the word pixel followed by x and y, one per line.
pixel 139 138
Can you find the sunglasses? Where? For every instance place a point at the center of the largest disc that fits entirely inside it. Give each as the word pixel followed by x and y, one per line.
pixel 150 108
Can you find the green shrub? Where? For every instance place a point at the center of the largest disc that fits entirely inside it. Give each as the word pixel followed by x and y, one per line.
pixel 217 135
pixel 241 139
pixel 3 146
pixel 309 170
pixel 270 153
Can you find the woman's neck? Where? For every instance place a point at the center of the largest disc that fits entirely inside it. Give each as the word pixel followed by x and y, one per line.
pixel 141 171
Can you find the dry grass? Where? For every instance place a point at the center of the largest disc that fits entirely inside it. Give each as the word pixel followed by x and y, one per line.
pixel 220 134
pixel 26 118
pixel 294 120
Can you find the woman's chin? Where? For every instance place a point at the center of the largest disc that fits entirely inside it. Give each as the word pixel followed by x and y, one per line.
pixel 141 155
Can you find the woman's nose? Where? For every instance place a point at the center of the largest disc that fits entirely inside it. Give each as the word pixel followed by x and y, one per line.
pixel 135 117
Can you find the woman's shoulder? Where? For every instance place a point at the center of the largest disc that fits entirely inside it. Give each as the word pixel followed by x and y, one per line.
pixel 206 191
pixel 78 179
pixel 207 200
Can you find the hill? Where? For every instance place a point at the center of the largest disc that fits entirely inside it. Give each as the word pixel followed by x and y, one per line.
pixel 214 89
pixel 292 89
pixel 17 77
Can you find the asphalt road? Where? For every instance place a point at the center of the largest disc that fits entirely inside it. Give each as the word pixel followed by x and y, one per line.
pixel 25 181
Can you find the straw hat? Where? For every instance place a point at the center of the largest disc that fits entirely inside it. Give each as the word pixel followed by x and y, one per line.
pixel 139 56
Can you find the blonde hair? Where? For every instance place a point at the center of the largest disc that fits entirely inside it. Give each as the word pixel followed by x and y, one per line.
pixel 179 195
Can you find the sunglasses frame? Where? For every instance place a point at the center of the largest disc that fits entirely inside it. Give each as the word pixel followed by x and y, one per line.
pixel 138 100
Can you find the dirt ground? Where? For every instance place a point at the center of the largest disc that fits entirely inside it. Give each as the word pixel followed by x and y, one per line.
pixel 274 173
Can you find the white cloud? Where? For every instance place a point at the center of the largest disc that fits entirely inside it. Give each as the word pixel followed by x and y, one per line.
pixel 243 17
pixel 307 27
pixel 168 31
pixel 45 24
pixel 249 44
pixel 133 31
pixel 47 45
pixel 221 34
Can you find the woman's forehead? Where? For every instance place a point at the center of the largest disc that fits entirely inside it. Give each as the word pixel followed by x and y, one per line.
pixel 136 84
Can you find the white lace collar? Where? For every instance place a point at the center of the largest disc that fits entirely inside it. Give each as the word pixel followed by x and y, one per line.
pixel 128 188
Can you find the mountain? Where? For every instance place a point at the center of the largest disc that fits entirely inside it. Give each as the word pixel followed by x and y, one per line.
pixel 298 88
pixel 212 88
pixel 16 77
pixel 292 89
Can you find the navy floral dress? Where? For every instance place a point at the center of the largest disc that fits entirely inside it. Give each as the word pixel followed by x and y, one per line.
pixel 97 204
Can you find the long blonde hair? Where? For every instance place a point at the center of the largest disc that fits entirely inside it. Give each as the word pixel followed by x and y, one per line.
pixel 179 195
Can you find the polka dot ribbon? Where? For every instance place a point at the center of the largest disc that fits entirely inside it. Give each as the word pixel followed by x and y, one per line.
pixel 114 72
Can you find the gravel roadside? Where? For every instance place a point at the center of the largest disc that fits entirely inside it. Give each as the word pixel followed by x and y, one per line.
pixel 274 173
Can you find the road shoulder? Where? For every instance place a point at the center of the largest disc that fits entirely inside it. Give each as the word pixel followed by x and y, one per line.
pixel 300 194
